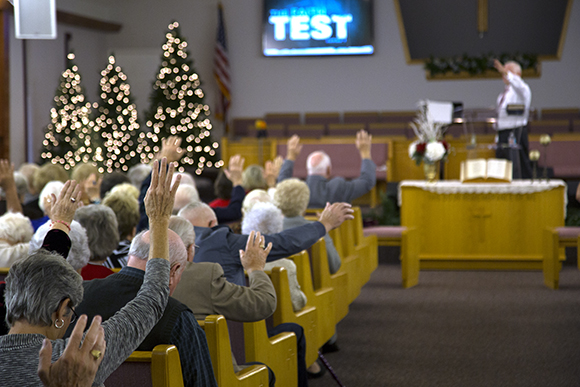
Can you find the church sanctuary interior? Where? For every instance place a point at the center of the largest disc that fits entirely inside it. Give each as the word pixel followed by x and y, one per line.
pixel 452 127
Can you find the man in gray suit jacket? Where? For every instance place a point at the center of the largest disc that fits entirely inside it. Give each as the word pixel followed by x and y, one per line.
pixel 205 290
pixel 323 189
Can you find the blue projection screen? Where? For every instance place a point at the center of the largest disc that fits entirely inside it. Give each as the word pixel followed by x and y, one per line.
pixel 317 27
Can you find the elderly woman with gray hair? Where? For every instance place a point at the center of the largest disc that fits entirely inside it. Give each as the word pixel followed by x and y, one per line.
pixel 42 291
pixel 101 224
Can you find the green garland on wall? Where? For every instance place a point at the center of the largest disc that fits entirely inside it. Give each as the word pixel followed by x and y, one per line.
pixel 476 65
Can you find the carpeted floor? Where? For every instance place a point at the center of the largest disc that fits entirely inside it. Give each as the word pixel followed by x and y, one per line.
pixel 461 328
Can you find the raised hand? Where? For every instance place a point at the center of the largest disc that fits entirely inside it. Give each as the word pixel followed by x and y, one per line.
pixel 254 258
pixel 235 169
pixel 271 171
pixel 79 363
pixel 62 210
pixel 161 195
pixel 333 215
pixel 170 149
pixel 294 148
pixel 363 144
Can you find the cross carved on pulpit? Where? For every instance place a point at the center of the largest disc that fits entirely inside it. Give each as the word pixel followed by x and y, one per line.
pixel 480 213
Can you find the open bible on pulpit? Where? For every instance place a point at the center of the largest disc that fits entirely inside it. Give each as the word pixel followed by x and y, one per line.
pixel 486 170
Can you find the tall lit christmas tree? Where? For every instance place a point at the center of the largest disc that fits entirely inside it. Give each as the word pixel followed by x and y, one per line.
pixel 69 138
pixel 178 108
pixel 123 144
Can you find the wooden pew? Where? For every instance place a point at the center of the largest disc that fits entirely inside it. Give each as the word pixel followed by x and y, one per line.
pixel 555 240
pixel 158 368
pixel 307 317
pixel 278 352
pixel 367 245
pixel 350 263
pixel 322 299
pixel 322 278
pixel 218 340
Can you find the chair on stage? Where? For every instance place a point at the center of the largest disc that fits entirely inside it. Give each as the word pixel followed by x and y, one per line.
pixel 549 126
pixel 158 368
pixel 364 118
pixel 344 130
pixel 391 129
pixel 306 130
pixel 241 125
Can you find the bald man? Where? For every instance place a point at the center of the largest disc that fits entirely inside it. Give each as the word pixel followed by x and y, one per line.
pixel 516 92
pixel 323 188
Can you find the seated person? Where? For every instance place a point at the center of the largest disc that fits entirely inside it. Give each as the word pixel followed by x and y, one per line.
pixel 266 218
pixel 42 306
pixel 223 191
pixel 171 150
pixel 78 253
pixel 178 325
pixel 292 197
pixel 103 233
pixel 15 234
pixel 253 178
pixel 111 180
pixel 44 174
pixel 323 188
pixel 185 194
pixel 51 188
pixel 205 290
pixel 126 209
pixel 219 244
pixel 90 179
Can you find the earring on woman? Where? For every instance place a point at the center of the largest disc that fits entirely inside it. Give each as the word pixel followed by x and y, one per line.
pixel 56 324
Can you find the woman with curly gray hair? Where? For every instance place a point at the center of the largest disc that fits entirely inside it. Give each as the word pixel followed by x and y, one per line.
pixel 43 290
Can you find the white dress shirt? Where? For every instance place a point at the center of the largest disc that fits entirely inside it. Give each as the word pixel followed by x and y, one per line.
pixel 517 92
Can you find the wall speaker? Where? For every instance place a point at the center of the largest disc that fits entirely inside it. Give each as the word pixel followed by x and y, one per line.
pixel 35 19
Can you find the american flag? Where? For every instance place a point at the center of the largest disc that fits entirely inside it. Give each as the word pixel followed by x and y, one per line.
pixel 222 69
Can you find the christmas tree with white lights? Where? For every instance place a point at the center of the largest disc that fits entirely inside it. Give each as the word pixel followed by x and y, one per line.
pixel 123 144
pixel 178 108
pixel 69 138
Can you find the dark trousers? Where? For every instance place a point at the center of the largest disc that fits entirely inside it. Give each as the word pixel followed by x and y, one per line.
pixel 301 348
pixel 517 156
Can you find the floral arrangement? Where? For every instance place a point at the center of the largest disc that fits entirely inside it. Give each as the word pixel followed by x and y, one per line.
pixel 429 146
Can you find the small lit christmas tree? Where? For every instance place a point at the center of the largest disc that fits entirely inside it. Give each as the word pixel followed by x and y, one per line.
pixel 178 107
pixel 69 138
pixel 123 143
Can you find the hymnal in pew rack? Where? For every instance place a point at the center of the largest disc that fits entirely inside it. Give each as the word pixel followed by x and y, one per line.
pixel 486 171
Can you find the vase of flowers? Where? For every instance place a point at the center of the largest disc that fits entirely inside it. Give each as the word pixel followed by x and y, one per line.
pixel 429 148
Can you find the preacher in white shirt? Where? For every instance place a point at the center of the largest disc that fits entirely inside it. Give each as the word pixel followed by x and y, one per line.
pixel 517 92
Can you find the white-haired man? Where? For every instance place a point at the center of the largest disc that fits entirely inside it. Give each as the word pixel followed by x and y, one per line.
pixel 511 122
pixel 323 188
pixel 178 325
